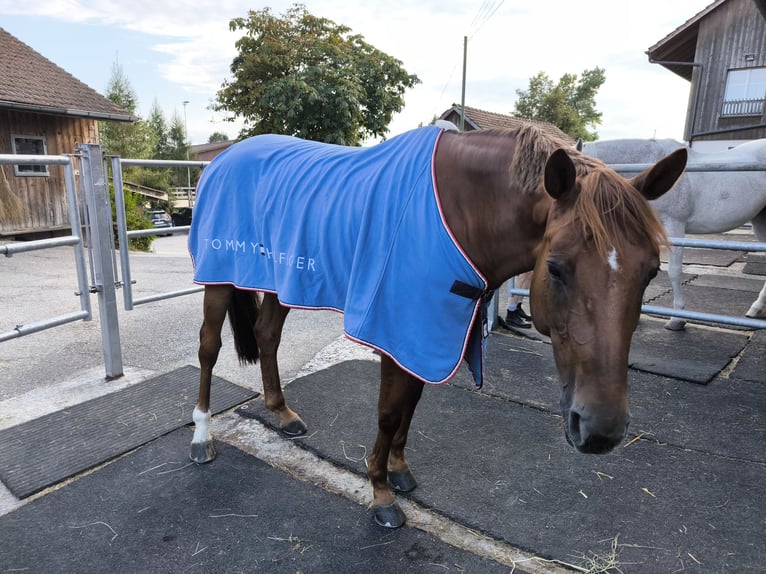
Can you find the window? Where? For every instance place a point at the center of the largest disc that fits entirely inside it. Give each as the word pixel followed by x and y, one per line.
pixel 745 92
pixel 29 145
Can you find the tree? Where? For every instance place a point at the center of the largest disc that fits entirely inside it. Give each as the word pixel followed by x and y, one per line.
pixel 309 77
pixel 133 140
pixel 569 104
pixel 159 126
pixel 217 137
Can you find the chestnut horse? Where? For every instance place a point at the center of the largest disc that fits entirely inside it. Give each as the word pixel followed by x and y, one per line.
pixel 511 200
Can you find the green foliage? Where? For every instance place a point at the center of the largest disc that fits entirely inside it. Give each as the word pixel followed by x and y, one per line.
pixel 569 104
pixel 309 77
pixel 217 137
pixel 135 219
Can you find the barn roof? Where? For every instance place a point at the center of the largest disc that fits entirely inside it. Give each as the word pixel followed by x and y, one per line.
pixel 481 119
pixel 477 119
pixel 681 44
pixel 31 82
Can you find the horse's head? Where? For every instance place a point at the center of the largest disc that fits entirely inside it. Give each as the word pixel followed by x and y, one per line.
pixel 599 252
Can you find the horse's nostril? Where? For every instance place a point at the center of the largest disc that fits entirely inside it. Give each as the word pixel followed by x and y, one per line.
pixel 573 428
pixel 594 435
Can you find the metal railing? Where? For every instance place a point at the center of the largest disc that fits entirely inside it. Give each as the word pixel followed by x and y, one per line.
pixel 123 234
pixel 74 239
pixel 750 107
pixel 698 243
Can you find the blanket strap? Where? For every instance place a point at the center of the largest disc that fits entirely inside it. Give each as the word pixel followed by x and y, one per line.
pixel 477 345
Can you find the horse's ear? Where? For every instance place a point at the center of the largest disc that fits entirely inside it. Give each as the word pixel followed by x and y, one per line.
pixel 662 176
pixel 560 174
pixel 578 144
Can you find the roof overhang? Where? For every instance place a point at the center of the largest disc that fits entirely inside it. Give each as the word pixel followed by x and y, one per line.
pixel 677 50
pixel 56 111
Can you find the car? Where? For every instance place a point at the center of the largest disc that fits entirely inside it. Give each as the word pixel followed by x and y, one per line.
pixel 161 219
pixel 182 216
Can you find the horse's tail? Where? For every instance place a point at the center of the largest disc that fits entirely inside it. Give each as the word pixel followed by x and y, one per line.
pixel 243 311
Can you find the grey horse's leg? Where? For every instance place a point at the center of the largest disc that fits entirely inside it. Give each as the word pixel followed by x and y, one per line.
pixel 758 308
pixel 675 273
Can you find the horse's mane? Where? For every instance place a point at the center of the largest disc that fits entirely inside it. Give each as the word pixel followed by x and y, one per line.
pixel 605 208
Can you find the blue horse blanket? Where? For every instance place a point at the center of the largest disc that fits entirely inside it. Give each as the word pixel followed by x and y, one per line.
pixel 355 229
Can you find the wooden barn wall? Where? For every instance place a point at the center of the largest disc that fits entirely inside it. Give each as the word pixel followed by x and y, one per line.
pixel 43 196
pixel 725 36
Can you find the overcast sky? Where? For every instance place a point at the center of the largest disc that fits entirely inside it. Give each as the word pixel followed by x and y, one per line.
pixel 181 51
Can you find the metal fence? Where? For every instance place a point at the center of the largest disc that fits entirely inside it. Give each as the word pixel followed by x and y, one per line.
pixel 98 225
pixel 74 239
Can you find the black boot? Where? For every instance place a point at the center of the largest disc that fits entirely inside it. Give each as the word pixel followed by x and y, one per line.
pixel 516 319
pixel 522 313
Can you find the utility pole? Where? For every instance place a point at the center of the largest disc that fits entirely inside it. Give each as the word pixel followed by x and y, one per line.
pixel 462 98
pixel 187 145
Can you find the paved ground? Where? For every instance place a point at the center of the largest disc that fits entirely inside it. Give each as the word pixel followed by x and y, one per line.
pixel 499 488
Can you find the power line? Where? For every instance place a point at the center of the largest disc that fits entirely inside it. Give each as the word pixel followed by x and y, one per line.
pixel 483 15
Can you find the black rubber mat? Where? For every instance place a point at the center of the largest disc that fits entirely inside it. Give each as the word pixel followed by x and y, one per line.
pixel 756 264
pixel 154 512
pixel 726 417
pixel 503 467
pixel 51 448
pixel 752 365
pixel 693 354
pixel 734 302
pixel 704 256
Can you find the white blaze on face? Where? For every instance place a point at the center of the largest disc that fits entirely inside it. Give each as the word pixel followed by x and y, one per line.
pixel 612 260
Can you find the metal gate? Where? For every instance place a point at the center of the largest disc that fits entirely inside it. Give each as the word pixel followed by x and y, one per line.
pixel 104 281
pixel 91 211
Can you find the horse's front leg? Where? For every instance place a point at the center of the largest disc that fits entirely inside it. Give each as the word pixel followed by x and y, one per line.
pixel 399 395
pixel 268 333
pixel 758 308
pixel 216 302
pixel 675 273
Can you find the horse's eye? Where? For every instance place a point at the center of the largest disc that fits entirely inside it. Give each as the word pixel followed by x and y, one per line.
pixel 651 275
pixel 556 271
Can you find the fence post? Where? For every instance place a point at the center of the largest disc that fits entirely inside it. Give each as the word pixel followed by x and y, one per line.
pixel 101 245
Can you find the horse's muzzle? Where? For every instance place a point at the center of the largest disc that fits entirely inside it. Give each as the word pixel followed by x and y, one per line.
pixel 595 434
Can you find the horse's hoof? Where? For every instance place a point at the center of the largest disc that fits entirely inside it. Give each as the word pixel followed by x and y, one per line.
pixel 202 452
pixel 294 428
pixel 402 480
pixel 675 325
pixel 389 516
pixel 755 313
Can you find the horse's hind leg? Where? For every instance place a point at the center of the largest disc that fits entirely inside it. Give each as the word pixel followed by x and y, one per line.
pixel 758 308
pixel 216 302
pixel 268 332
pixel 399 395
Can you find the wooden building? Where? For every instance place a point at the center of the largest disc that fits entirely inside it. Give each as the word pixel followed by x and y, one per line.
pixel 44 110
pixel 721 51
